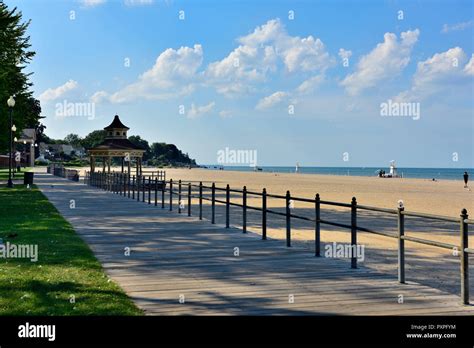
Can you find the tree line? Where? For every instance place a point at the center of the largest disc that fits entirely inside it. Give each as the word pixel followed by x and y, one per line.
pixel 157 154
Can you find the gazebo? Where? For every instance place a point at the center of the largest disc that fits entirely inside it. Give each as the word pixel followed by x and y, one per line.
pixel 116 144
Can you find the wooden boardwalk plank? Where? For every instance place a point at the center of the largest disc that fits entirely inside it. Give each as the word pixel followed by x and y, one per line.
pixel 173 254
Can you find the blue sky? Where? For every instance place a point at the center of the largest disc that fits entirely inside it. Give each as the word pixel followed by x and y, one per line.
pixel 297 81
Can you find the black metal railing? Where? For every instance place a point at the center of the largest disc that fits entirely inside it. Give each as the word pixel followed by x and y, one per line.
pixel 140 185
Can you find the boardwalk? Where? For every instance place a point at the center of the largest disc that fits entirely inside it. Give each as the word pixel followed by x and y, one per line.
pixel 175 259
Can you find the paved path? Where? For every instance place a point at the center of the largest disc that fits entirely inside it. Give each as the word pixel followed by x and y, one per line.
pixel 175 258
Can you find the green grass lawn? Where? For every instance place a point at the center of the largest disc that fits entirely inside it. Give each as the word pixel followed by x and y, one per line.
pixel 66 268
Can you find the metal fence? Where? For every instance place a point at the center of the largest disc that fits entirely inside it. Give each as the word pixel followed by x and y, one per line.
pixel 142 189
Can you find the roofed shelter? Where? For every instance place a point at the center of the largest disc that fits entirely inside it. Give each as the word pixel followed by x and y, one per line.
pixel 116 144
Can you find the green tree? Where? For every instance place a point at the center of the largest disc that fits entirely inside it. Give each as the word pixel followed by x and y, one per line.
pixel 73 139
pixel 169 154
pixel 138 141
pixel 93 139
pixel 15 54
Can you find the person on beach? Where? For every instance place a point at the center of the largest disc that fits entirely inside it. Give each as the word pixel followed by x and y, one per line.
pixel 466 179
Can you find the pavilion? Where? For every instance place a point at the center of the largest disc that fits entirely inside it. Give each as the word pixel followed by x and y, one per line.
pixel 116 144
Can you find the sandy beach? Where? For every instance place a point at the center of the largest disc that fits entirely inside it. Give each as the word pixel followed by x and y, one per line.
pixel 443 197
pixel 425 264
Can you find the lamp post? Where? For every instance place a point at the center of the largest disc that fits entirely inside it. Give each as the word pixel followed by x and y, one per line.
pixel 11 104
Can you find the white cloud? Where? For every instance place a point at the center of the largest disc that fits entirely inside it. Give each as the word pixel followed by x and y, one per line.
pixel 172 75
pixel 243 71
pixel 244 66
pixel 271 100
pixel 92 3
pixel 311 84
pixel 457 27
pixel 298 54
pixel 443 70
pixel 469 68
pixel 385 61
pixel 54 93
pixel 259 54
pixel 197 111
pixel 99 96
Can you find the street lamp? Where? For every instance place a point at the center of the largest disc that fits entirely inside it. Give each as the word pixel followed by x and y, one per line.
pixel 11 104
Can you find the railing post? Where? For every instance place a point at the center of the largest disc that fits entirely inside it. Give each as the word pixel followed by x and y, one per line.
pixel 264 214
pixel 401 244
pixel 124 178
pixel 133 187
pixel 189 199
pixel 138 187
pixel 317 225
pixel 149 190
pixel 213 203
pixel 128 184
pixel 179 197
pixel 200 200
pixel 163 189
pixel 288 220
pixel 156 191
pixel 244 209
pixel 464 258
pixel 143 187
pixel 354 232
pixel 171 194
pixel 227 206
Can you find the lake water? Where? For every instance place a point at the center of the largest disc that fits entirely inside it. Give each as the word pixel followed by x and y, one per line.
pixel 421 173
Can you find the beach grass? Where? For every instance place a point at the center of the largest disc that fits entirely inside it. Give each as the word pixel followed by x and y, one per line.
pixel 67 279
